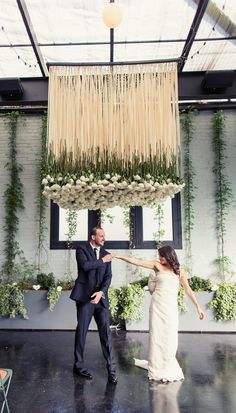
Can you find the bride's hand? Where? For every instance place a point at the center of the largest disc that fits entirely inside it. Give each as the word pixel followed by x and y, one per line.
pixel 115 255
pixel 201 313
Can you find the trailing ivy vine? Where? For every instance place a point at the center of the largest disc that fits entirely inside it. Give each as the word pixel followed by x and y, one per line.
pixel 159 217
pixel 14 200
pixel 128 221
pixel 41 200
pixel 223 193
pixel 106 216
pixel 71 219
pixel 189 173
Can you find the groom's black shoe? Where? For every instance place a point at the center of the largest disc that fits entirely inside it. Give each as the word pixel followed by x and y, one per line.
pixel 83 373
pixel 112 378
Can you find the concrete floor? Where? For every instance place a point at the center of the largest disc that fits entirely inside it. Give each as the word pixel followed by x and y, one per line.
pixel 43 381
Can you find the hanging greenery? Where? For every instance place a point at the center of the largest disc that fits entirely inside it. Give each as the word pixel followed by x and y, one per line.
pixel 159 217
pixel 128 221
pixel 41 200
pixel 189 173
pixel 71 219
pixel 14 200
pixel 223 193
pixel 106 216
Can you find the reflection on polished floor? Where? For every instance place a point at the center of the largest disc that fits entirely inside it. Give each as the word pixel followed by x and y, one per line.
pixel 43 381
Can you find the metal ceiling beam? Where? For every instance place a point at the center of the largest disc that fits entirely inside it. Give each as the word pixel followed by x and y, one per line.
pixel 190 86
pixel 202 5
pixel 32 36
pixel 199 39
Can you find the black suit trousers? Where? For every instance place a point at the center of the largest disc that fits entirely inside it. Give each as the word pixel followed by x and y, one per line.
pixel 85 312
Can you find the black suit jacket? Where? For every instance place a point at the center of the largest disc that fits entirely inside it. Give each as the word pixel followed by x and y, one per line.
pixel 93 275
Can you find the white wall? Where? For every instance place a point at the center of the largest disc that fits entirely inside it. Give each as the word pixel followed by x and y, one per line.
pixel 204 240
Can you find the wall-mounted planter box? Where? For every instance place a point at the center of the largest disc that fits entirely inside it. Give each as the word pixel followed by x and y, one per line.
pixel 188 321
pixel 63 317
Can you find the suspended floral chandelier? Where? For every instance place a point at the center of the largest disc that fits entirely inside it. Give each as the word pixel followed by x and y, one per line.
pixel 113 135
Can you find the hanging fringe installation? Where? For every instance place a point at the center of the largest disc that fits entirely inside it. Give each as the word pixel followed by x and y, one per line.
pixel 130 111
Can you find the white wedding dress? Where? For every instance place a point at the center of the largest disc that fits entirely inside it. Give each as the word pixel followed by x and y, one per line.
pixel 163 328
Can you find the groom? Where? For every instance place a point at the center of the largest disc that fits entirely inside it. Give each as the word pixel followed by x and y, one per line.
pixel 90 294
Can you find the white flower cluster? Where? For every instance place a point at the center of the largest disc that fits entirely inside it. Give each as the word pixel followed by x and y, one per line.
pixel 90 192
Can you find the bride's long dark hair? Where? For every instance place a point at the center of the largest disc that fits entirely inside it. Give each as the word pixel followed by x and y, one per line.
pixel 170 255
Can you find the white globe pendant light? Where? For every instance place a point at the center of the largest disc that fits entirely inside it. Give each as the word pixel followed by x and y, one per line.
pixel 112 15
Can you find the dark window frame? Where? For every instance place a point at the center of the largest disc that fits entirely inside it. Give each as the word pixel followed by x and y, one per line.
pixel 136 218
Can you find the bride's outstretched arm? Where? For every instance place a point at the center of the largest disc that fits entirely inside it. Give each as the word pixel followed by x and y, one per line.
pixel 190 293
pixel 135 261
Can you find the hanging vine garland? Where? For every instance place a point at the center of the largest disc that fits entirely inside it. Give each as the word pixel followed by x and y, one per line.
pixel 113 136
pixel 41 200
pixel 14 200
pixel 189 173
pixel 159 217
pixel 223 192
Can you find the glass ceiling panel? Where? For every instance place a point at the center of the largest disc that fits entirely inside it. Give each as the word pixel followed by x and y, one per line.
pixel 11 66
pixel 58 21
pixel 12 27
pixel 79 21
pixel 215 55
pixel 76 54
pixel 155 19
pixel 154 51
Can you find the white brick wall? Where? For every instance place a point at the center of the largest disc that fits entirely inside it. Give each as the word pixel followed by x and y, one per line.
pixel 204 241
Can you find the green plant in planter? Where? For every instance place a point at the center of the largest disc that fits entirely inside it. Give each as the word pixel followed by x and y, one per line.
pixel 130 298
pixel 12 301
pixel 53 295
pixel 181 301
pixel 46 281
pixel 200 284
pixel 224 302
pixel 125 302
pixel 113 302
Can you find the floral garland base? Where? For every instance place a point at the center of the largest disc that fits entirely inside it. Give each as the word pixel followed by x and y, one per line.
pixel 89 192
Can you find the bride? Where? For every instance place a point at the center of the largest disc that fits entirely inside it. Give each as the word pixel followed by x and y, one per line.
pixel 163 284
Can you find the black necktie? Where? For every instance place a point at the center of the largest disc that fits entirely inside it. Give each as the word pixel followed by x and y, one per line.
pixel 95 252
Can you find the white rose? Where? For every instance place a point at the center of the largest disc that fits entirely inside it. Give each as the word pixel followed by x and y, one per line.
pixel 59 288
pixel 44 181
pixel 36 287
